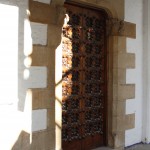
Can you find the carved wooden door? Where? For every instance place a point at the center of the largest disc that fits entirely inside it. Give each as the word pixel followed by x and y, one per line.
pixel 84 79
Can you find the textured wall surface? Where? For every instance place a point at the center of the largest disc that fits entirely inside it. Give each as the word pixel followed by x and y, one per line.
pixel 36 115
pixel 15 122
pixel 37 77
pixel 146 73
pixel 39 33
pixel 17 77
pixel 135 7
pixel 39 119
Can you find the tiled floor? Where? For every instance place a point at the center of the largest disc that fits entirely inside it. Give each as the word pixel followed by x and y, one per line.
pixel 134 147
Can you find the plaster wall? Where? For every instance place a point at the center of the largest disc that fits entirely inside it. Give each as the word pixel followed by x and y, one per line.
pixel 17 77
pixel 134 14
pixel 146 73
pixel 13 121
pixel 35 117
pixel 39 33
pixel 39 119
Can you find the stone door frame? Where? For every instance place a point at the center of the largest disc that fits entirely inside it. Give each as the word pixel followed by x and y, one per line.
pixel 118 61
pixel 50 55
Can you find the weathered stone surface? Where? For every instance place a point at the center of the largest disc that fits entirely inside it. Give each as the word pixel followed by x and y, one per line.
pixel 126 60
pixel 126 91
pixel 129 30
pixel 23 142
pixel 43 140
pixel 40 56
pixel 41 98
pixel 120 76
pixel 118 61
pixel 42 13
pixel 116 27
pixel 129 121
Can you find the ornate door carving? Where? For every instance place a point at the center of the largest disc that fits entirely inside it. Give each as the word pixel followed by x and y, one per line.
pixel 84 79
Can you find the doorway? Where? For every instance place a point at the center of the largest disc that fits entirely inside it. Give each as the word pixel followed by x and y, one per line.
pixel 84 79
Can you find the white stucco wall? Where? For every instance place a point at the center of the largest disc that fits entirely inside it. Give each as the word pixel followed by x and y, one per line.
pixel 134 14
pixel 38 75
pixel 39 33
pixel 13 121
pixel 146 73
pixel 16 76
pixel 39 119
pixel 16 113
pixel 9 16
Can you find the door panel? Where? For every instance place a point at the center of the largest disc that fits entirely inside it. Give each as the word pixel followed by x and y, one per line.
pixel 84 79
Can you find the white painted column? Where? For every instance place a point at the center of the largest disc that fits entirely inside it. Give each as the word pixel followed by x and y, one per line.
pixel 146 74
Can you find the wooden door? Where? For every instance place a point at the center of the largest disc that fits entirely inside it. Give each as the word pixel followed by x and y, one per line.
pixel 84 79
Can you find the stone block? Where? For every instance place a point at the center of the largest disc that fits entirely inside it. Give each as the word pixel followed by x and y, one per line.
pixel 42 13
pixel 126 60
pixel 61 11
pixel 54 35
pixel 126 91
pixel 43 140
pixel 129 30
pixel 129 121
pixel 119 124
pixel 121 44
pixel 114 43
pixel 23 142
pixel 116 27
pixel 51 119
pixel 119 140
pixel 119 76
pixel 119 108
pixel 115 92
pixel 40 56
pixel 41 98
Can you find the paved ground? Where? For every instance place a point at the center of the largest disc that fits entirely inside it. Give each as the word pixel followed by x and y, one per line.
pixel 139 147
pixel 134 147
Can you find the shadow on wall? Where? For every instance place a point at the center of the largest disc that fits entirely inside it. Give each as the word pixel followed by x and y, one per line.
pixel 23 142
pixel 15 98
pixel 24 50
pixel 15 47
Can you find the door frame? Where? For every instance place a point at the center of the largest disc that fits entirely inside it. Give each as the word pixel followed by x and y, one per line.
pixel 117 87
pixel 109 74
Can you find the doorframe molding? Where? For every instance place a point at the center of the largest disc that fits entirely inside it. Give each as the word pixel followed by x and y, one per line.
pixel 119 60
pixel 118 91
